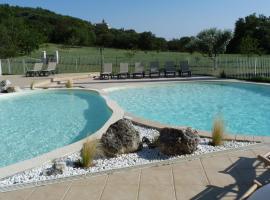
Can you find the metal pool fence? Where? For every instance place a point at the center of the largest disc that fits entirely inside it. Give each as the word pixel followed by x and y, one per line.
pixel 231 66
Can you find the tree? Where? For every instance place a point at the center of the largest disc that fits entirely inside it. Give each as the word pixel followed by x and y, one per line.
pixel 179 44
pixel 255 27
pixel 249 46
pixel 213 42
pixel 146 41
pixel 159 44
pixel 16 38
pixel 29 41
pixel 191 46
pixel 7 48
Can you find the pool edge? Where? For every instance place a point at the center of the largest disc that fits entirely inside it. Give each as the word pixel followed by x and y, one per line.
pixel 207 134
pixel 157 125
pixel 117 113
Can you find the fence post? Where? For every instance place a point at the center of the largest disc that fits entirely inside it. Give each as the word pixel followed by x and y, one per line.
pixel 9 68
pixel 23 63
pixel 57 56
pixel 101 58
pixel 44 57
pixel 76 61
pixel 255 66
pixel 0 68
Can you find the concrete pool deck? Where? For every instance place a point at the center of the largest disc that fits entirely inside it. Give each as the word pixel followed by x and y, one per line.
pixel 224 175
pixel 220 176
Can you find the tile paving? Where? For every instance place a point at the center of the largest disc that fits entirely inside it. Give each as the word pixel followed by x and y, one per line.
pixel 220 176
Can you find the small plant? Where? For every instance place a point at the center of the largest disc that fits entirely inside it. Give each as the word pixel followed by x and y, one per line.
pixel 88 153
pixel 222 74
pixel 218 131
pixel 69 84
pixel 32 86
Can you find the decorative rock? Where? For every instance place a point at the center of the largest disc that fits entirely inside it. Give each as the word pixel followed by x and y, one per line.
pixel 47 172
pixel 146 141
pixel 4 85
pixel 13 89
pixel 58 167
pixel 178 141
pixel 150 144
pixel 120 138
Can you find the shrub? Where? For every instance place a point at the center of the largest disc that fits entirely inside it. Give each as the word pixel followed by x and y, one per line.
pixel 218 131
pixel 260 79
pixel 222 74
pixel 32 86
pixel 88 153
pixel 69 84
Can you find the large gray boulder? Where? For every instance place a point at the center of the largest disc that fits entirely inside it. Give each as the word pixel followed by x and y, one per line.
pixel 178 141
pixel 120 138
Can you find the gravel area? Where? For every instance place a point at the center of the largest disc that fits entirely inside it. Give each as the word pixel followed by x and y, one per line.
pixel 144 156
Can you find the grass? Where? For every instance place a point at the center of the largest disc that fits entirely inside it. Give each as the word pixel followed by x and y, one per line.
pixel 88 153
pixel 88 59
pixel 218 131
pixel 69 84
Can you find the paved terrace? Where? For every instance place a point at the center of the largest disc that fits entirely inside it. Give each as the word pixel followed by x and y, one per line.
pixel 223 175
pixel 22 81
pixel 86 80
pixel 220 176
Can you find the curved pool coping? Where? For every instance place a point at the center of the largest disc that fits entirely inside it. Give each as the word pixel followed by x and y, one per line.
pixel 117 113
pixel 157 125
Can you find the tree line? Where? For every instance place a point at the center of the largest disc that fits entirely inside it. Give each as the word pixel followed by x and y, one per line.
pixel 22 30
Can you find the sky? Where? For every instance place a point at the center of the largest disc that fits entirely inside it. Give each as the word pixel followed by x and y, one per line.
pixel 165 18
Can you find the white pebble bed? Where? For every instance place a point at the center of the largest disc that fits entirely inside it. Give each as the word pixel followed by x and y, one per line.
pixel 145 156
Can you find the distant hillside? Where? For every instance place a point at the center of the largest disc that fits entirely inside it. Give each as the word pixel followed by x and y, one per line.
pixel 23 29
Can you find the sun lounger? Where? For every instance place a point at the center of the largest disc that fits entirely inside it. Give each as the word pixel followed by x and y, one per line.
pixel 123 73
pixel 35 71
pixel 251 190
pixel 138 71
pixel 106 71
pixel 169 69
pixel 184 69
pixel 51 69
pixel 265 159
pixel 154 69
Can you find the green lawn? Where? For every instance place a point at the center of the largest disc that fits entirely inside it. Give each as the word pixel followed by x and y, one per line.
pixel 88 59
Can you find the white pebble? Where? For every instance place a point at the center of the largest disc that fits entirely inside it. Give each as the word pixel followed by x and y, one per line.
pixel 126 160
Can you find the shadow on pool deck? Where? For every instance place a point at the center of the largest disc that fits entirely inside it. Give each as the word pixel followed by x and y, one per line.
pixel 243 171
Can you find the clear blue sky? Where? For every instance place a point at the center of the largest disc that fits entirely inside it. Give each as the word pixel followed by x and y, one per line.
pixel 165 18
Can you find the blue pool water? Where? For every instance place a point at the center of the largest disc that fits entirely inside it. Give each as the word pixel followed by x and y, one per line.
pixel 244 107
pixel 35 123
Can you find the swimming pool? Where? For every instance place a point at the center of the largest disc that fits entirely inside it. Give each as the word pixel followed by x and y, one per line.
pixel 34 123
pixel 244 107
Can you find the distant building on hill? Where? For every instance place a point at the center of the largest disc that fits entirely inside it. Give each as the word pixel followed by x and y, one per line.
pixel 103 23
